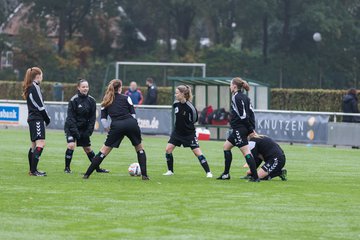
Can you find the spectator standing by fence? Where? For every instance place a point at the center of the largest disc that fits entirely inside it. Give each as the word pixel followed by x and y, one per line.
pixel 151 96
pixel 135 94
pixel 350 105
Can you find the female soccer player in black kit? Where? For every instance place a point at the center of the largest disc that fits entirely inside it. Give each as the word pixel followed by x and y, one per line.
pixel 184 132
pixel 37 117
pixel 79 124
pixel 123 123
pixel 267 150
pixel 243 124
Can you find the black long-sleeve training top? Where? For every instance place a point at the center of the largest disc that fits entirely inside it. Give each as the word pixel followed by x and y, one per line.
pixel 267 147
pixel 151 95
pixel 185 117
pixel 120 109
pixel 35 104
pixel 350 105
pixel 242 114
pixel 81 115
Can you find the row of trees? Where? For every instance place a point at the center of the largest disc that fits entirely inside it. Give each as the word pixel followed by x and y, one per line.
pixel 267 40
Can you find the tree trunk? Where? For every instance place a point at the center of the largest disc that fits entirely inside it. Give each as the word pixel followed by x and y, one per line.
pixel 184 18
pixel 265 38
pixel 70 19
pixel 168 37
pixel 61 39
pixel 285 40
pixel 286 36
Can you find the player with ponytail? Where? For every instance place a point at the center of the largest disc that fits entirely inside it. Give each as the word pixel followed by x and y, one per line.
pixel 37 117
pixel 242 124
pixel 123 123
pixel 184 130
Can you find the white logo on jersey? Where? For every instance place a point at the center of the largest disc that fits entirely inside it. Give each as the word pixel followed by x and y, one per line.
pixel 176 110
pixel 79 106
pixel 130 101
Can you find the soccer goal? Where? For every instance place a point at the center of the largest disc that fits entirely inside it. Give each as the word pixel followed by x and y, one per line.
pixel 159 70
pixel 139 71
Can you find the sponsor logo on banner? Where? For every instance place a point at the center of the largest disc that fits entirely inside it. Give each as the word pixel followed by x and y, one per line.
pixel 147 123
pixel 293 127
pixel 154 121
pixel 58 115
pixel 9 114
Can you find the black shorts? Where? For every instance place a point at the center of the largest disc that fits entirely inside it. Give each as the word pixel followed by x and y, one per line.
pixel 121 128
pixel 81 142
pixel 37 130
pixel 273 166
pixel 239 137
pixel 187 141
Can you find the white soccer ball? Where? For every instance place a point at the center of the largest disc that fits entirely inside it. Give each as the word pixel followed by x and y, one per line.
pixel 317 37
pixel 134 169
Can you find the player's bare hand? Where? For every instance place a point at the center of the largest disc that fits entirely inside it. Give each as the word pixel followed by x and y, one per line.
pixel 253 134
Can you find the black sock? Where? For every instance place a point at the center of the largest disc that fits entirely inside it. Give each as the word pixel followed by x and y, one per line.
pixel 30 155
pixel 142 162
pixel 258 162
pixel 252 165
pixel 170 161
pixel 228 160
pixel 96 161
pixel 90 156
pixel 204 163
pixel 35 158
pixel 68 157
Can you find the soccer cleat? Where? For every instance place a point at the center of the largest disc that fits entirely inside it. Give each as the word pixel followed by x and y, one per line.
pixel 37 174
pixel 209 175
pixel 247 177
pixel 102 170
pixel 143 177
pixel 224 177
pixel 67 170
pixel 283 174
pixel 251 179
pixel 42 172
pixel 85 176
pixel 168 173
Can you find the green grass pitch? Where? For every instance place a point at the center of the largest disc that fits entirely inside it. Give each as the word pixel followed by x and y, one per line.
pixel 321 199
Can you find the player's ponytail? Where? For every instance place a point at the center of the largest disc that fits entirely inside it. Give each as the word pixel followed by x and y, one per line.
pixel 112 88
pixel 240 84
pixel 186 90
pixel 255 135
pixel 30 75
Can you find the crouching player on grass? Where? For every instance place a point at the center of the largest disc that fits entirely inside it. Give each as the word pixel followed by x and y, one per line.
pixel 123 123
pixel 265 149
pixel 184 132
